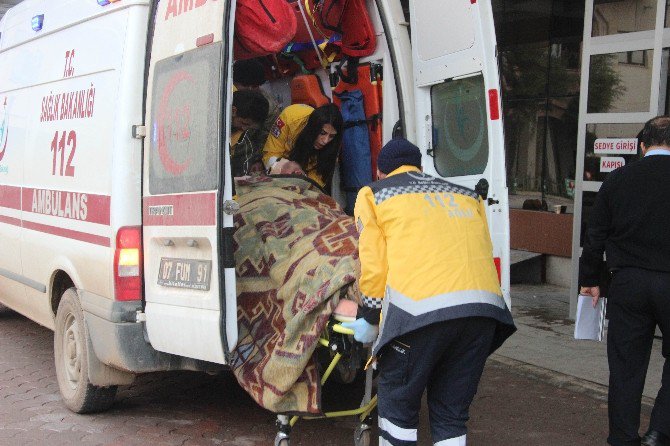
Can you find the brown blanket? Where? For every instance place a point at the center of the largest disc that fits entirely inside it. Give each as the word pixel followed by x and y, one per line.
pixel 296 252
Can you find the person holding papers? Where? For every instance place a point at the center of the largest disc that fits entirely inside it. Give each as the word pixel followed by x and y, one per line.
pixel 629 222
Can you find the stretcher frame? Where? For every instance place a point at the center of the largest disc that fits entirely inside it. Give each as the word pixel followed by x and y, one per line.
pixel 362 434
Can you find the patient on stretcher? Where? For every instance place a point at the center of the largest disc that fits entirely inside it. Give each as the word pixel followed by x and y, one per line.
pixel 296 253
pixel 345 311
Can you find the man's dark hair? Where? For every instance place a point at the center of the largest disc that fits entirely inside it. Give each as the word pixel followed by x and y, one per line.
pixel 656 132
pixel 251 104
pixel 248 72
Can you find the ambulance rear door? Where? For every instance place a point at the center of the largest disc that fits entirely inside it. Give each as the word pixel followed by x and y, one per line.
pixel 190 301
pixel 457 100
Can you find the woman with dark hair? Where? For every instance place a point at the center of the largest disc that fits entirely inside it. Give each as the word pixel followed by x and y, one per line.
pixel 305 141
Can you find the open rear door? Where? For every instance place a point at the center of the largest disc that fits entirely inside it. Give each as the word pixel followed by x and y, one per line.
pixel 188 260
pixel 456 93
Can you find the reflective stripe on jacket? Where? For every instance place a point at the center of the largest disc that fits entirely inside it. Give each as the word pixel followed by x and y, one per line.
pixel 426 254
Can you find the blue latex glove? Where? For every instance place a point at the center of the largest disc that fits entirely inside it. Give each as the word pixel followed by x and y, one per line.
pixel 364 332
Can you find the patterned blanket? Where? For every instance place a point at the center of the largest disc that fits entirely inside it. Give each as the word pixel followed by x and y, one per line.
pixel 296 254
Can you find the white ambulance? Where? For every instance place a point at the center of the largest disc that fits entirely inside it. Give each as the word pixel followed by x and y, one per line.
pixel 116 204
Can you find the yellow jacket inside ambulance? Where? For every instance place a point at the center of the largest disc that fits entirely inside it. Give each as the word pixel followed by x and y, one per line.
pixel 283 134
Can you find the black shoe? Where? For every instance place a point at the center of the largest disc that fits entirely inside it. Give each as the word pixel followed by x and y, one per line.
pixel 655 438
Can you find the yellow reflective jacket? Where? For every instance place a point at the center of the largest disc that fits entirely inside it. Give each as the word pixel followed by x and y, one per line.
pixel 283 134
pixel 426 254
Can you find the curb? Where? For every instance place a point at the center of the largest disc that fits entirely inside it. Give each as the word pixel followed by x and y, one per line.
pixel 561 380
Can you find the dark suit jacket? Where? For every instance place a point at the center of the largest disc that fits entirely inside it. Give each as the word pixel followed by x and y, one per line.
pixel 630 220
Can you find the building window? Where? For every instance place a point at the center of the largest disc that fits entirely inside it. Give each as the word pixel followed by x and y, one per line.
pixel 614 17
pixel 540 61
pixel 633 58
pixel 609 146
pixel 620 82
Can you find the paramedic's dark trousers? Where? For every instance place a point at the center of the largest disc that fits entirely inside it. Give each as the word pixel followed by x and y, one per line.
pixel 447 358
pixel 638 300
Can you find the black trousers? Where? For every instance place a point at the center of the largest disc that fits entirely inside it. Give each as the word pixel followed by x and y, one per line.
pixel 638 300
pixel 447 358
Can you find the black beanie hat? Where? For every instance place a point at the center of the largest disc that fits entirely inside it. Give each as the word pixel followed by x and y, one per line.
pixel 248 72
pixel 398 152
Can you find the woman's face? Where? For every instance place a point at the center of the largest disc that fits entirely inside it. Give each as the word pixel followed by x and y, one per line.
pixel 326 135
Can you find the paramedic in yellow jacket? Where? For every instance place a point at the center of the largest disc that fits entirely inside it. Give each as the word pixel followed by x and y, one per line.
pixel 305 141
pixel 427 265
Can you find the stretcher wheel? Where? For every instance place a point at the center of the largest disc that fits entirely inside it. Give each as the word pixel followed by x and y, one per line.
pixel 362 435
pixel 281 440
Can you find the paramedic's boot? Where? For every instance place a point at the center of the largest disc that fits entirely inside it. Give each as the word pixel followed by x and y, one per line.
pixel 458 441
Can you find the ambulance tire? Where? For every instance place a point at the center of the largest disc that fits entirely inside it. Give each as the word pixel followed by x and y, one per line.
pixel 71 359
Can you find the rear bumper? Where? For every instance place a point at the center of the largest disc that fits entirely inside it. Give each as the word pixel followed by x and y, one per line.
pixel 119 341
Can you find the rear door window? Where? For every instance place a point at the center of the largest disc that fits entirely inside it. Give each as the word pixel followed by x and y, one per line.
pixel 184 130
pixel 459 123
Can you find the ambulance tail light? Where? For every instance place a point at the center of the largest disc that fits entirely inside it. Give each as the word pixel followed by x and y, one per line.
pixel 128 264
pixel 496 261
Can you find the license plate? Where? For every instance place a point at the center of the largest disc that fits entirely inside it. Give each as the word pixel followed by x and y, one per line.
pixel 185 273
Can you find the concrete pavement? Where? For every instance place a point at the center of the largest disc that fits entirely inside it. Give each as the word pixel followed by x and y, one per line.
pixel 544 344
pixel 542 388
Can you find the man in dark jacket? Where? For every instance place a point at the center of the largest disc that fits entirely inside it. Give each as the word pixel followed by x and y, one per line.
pixel 249 74
pixel 629 222
pixel 249 110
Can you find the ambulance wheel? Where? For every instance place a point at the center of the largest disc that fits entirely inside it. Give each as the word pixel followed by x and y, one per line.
pixel 362 436
pixel 71 358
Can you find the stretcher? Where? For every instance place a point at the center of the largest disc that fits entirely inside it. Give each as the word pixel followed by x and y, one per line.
pixel 343 349
pixel 369 81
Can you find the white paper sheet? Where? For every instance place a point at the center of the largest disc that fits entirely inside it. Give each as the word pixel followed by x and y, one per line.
pixel 590 322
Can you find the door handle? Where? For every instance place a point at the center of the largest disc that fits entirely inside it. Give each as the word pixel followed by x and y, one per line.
pixel 482 189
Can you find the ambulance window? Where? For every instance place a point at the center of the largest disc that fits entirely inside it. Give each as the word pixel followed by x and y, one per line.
pixel 460 136
pixel 184 122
